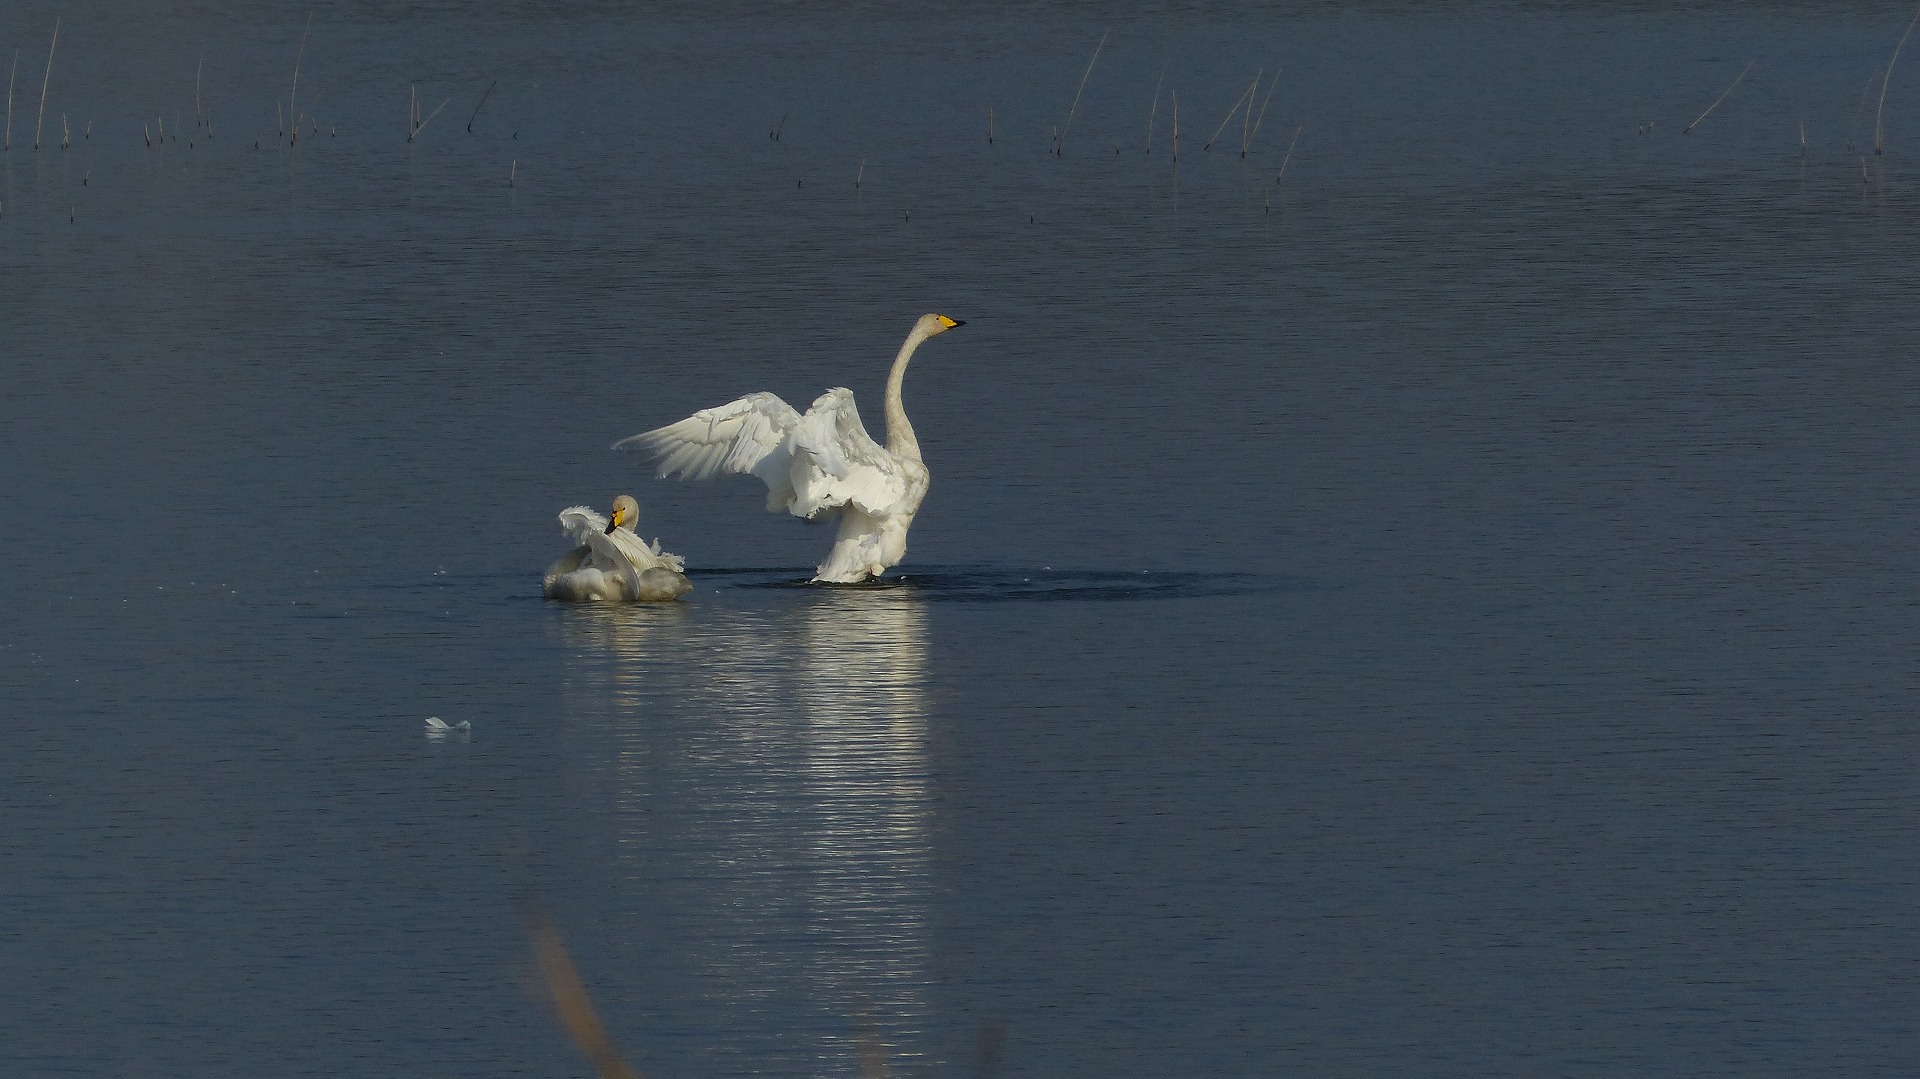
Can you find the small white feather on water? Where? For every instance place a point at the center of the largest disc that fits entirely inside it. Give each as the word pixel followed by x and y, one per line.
pixel 436 725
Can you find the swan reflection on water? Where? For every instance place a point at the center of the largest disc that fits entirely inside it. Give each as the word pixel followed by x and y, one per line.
pixel 767 768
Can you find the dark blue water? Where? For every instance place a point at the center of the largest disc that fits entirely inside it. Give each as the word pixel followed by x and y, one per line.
pixel 1433 596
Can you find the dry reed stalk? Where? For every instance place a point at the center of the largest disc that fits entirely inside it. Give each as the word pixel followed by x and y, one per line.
pixel 483 101
pixel 873 1055
pixel 860 175
pixel 989 128
pixel 1246 115
pixel 198 70
pixel 1263 112
pixel 1723 95
pixel 1889 78
pixel 421 125
pixel 1156 106
pixel 1175 95
pixel 513 170
pixel 294 97
pixel 575 1006
pixel 1244 96
pixel 1060 144
pixel 47 78
pixel 1289 157
pixel 66 137
pixel 10 78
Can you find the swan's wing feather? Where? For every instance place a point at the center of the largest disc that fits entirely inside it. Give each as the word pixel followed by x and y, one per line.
pixel 835 461
pixel 615 558
pixel 744 437
pixel 727 439
pixel 643 555
pixel 580 521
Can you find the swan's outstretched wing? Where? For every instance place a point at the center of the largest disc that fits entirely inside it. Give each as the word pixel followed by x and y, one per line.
pixel 812 464
pixel 835 462
pixel 744 437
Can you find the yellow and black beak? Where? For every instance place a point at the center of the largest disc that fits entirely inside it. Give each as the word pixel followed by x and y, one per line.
pixel 950 323
pixel 616 520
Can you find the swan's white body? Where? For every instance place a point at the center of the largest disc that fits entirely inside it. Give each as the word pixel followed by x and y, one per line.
pixel 612 565
pixel 818 466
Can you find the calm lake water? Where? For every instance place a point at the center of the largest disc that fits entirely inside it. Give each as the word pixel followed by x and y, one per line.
pixel 1433 596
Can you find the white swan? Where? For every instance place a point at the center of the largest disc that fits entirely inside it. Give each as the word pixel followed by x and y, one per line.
pixel 611 564
pixel 816 466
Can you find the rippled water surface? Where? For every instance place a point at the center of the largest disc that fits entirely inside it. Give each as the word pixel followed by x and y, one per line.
pixel 1430 596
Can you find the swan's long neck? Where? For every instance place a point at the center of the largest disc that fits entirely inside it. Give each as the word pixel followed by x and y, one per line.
pixel 900 438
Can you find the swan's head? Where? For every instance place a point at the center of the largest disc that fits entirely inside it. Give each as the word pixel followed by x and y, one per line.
pixel 930 325
pixel 625 512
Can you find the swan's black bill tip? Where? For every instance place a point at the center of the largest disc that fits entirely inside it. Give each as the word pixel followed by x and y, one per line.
pixel 958 322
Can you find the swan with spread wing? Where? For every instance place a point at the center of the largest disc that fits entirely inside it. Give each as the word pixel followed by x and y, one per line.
pixel 612 564
pixel 819 466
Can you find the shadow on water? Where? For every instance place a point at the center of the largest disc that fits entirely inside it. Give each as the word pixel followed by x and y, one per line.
pixel 980 585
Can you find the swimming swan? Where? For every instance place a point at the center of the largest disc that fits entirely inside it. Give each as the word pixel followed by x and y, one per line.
pixel 611 564
pixel 816 466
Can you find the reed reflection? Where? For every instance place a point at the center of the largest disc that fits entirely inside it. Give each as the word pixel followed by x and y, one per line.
pixel 768 773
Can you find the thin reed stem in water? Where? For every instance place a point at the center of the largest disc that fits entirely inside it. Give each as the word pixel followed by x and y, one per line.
pixel 483 101
pixel 989 125
pixel 45 79
pixel 422 125
pixel 1723 95
pixel 294 97
pixel 1060 144
pixel 1889 78
pixel 1263 112
pixel 198 70
pixel 10 78
pixel 1244 95
pixel 512 171
pixel 1289 157
pixel 861 174
pixel 1246 115
pixel 1156 106
pixel 1175 95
